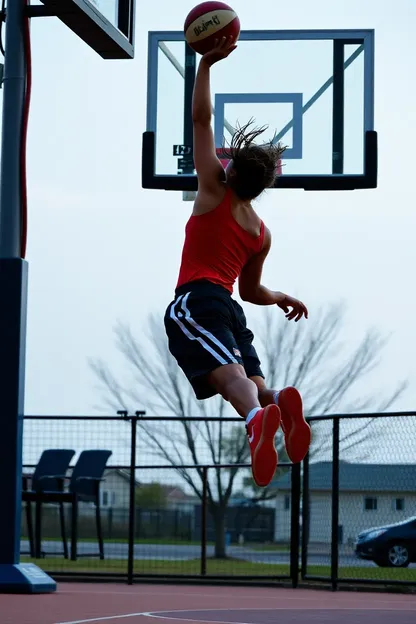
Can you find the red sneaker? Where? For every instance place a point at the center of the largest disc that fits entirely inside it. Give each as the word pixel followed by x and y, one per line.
pixel 295 428
pixel 261 431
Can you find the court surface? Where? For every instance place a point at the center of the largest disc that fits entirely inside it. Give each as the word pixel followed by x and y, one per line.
pixel 164 604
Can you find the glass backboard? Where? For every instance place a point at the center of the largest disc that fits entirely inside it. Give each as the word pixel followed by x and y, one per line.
pixel 313 89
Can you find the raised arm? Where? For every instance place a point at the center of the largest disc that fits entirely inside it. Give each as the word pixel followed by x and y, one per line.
pixel 208 167
pixel 252 291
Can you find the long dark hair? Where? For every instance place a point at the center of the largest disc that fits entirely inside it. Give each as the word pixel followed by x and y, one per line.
pixel 254 167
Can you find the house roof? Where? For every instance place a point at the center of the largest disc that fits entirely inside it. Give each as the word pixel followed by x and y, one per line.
pixel 125 474
pixel 172 492
pixel 358 477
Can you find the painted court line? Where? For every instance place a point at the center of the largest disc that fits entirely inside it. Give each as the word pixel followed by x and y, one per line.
pixel 164 617
pixel 160 614
pixel 157 615
pixel 104 619
pixel 178 618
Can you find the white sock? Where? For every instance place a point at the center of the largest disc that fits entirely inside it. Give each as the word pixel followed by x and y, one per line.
pixel 276 397
pixel 252 414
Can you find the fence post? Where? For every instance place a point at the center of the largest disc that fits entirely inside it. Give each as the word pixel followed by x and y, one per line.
pixel 294 528
pixel 132 501
pixel 335 504
pixel 204 521
pixel 305 517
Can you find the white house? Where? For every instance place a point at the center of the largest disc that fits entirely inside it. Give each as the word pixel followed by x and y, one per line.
pixel 369 495
pixel 115 489
pixel 115 492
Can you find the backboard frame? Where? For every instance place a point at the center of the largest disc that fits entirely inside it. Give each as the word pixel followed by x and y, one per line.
pixel 85 20
pixel 335 181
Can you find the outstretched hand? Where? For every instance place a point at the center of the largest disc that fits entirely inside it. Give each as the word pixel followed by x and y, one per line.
pixel 297 311
pixel 222 48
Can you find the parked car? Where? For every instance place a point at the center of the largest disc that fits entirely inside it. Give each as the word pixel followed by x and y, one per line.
pixel 389 546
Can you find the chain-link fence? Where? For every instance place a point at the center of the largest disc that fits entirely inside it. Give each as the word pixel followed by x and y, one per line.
pixel 359 500
pixel 149 497
pixel 137 496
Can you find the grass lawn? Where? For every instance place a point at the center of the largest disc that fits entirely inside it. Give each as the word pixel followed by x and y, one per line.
pixel 231 567
pixel 143 566
pixel 374 572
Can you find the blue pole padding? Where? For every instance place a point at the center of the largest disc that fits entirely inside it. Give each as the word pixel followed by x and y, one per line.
pixel 14 577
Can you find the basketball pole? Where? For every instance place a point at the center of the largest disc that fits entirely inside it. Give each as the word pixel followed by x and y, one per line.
pixel 14 577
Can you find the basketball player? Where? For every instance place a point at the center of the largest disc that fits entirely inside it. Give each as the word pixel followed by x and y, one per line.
pixel 226 240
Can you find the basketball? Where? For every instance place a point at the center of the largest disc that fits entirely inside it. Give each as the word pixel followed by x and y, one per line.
pixel 210 21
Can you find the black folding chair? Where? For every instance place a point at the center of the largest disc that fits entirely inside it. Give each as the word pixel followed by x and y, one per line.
pixel 84 486
pixel 49 475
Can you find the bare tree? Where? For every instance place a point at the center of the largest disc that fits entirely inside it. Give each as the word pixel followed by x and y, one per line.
pixel 307 356
pixel 328 373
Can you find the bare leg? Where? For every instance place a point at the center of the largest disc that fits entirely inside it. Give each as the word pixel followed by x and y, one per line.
pixel 232 383
pixel 266 396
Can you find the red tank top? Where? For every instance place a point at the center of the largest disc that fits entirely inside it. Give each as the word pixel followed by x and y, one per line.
pixel 217 247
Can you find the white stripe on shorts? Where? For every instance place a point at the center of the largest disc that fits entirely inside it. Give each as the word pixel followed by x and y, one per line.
pixel 175 317
pixel 205 332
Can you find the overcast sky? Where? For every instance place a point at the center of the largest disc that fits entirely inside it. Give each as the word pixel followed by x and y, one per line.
pixel 100 248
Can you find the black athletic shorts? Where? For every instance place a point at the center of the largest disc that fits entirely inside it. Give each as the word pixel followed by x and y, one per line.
pixel 206 329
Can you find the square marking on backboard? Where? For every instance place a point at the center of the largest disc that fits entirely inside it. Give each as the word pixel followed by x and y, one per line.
pixel 296 99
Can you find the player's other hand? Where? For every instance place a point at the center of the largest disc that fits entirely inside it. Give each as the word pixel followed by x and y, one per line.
pixel 292 308
pixel 222 48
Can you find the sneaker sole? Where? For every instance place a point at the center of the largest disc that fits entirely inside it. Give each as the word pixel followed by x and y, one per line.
pixel 265 457
pixel 298 438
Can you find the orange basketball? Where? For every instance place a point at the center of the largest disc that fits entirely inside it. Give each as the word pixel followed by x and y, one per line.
pixel 210 21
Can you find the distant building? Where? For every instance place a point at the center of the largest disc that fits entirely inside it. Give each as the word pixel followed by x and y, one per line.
pixel 370 495
pixel 115 492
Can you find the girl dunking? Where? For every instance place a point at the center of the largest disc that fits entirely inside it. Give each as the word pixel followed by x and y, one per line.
pixel 226 240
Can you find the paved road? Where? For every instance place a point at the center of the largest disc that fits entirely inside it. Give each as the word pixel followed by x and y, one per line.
pixel 160 552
